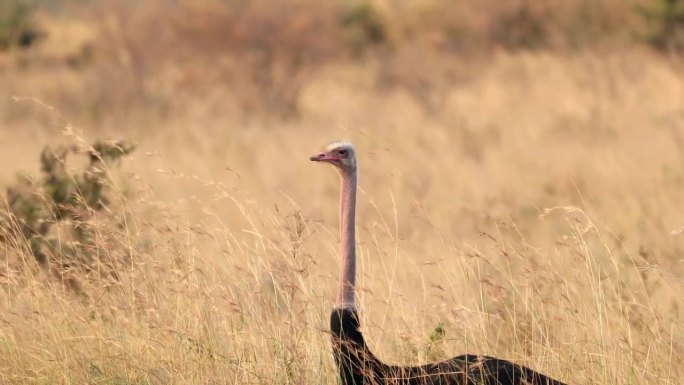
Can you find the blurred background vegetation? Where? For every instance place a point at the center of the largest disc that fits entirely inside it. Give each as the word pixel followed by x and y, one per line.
pixel 158 54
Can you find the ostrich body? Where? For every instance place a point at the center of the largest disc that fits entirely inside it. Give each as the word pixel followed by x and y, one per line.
pixel 357 365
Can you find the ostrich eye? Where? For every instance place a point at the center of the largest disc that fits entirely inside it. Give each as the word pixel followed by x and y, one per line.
pixel 342 152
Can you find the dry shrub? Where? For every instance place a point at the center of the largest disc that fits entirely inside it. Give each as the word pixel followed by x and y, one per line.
pixel 475 26
pixel 259 53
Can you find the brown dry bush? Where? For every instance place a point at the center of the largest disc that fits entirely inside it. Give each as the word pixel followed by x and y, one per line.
pixel 261 52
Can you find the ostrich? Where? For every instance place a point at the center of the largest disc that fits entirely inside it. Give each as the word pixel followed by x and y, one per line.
pixel 357 365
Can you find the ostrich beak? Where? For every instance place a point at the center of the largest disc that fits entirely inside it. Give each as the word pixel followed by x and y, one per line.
pixel 322 157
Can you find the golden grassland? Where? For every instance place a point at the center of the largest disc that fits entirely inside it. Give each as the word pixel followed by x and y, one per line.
pixel 530 211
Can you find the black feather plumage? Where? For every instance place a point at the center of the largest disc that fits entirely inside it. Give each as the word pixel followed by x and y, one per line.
pixel 359 366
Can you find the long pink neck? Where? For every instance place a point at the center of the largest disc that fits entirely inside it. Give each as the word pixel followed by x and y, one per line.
pixel 346 286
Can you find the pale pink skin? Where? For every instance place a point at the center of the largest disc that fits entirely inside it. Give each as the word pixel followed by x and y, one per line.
pixel 341 155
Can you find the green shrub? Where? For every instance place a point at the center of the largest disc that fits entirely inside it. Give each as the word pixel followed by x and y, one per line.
pixel 666 21
pixel 16 26
pixel 54 219
pixel 364 27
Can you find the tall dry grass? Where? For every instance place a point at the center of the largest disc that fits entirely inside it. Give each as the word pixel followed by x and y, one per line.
pixel 521 204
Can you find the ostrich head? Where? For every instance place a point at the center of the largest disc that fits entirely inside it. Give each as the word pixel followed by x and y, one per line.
pixel 340 155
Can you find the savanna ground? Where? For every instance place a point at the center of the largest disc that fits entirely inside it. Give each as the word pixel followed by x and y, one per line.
pixel 521 188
